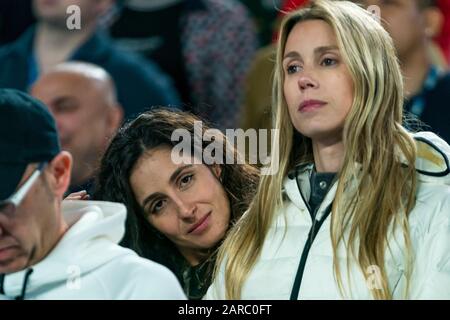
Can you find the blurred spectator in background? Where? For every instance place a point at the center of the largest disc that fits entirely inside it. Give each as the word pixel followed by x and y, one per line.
pixel 412 25
pixel 139 83
pixel 264 13
pixel 15 17
pixel 83 100
pixel 256 112
pixel 444 38
pixel 205 45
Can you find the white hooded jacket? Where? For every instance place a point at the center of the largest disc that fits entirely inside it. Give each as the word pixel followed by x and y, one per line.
pixel 291 253
pixel 87 263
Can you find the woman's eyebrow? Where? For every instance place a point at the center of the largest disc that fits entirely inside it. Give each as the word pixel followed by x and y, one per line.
pixel 175 174
pixel 149 199
pixel 318 50
pixel 292 54
pixel 323 49
pixel 172 180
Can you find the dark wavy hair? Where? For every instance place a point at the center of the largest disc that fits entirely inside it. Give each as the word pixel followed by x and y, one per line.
pixel 148 131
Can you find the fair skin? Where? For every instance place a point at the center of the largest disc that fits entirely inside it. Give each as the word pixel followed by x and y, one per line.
pixel 80 195
pixel 29 234
pixel 412 29
pixel 86 116
pixel 54 42
pixel 186 203
pixel 318 90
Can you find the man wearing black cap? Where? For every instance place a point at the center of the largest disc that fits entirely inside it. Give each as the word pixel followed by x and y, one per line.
pixel 50 249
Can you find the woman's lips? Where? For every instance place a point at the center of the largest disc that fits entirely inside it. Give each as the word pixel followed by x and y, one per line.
pixel 310 105
pixel 201 225
pixel 6 252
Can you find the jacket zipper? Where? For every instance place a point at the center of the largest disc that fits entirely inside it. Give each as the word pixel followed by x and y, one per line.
pixel 313 231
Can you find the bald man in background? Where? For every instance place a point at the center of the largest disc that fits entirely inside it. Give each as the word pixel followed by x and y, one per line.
pixel 82 98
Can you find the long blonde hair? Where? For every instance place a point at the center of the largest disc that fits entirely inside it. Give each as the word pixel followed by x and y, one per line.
pixel 385 189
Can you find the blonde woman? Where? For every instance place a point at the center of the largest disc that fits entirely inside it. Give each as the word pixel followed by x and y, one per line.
pixel 360 207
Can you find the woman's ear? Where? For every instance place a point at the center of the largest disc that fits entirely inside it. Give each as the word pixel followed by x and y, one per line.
pixel 217 170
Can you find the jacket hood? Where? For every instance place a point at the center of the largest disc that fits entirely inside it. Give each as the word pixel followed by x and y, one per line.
pixel 433 154
pixel 93 226
pixel 432 166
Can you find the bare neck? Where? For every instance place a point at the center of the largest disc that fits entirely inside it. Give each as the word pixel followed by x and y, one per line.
pixel 328 155
pixel 415 67
pixel 53 45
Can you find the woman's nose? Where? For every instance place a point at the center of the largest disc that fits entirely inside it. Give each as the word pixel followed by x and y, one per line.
pixel 186 209
pixel 306 82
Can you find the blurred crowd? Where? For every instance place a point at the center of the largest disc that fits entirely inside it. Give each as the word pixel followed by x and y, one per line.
pixel 211 57
pixel 103 65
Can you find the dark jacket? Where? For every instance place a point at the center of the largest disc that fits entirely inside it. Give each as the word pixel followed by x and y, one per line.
pixel 436 106
pixel 217 40
pixel 140 84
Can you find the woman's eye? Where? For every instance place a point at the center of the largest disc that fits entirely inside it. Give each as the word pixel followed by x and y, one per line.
pixel 329 62
pixel 293 69
pixel 157 206
pixel 184 181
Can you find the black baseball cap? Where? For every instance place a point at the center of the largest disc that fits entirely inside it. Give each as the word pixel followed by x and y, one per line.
pixel 27 135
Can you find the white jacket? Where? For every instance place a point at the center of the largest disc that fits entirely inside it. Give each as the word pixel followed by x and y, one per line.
pixel 87 263
pixel 273 275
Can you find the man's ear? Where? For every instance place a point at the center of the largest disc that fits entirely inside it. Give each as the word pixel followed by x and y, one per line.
pixel 60 169
pixel 115 118
pixel 434 20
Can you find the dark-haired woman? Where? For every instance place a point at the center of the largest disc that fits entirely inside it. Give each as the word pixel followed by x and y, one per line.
pixel 179 210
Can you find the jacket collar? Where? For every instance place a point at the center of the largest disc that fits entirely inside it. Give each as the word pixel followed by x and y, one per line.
pixel 24 44
pixel 95 49
pixel 297 188
pixel 432 164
